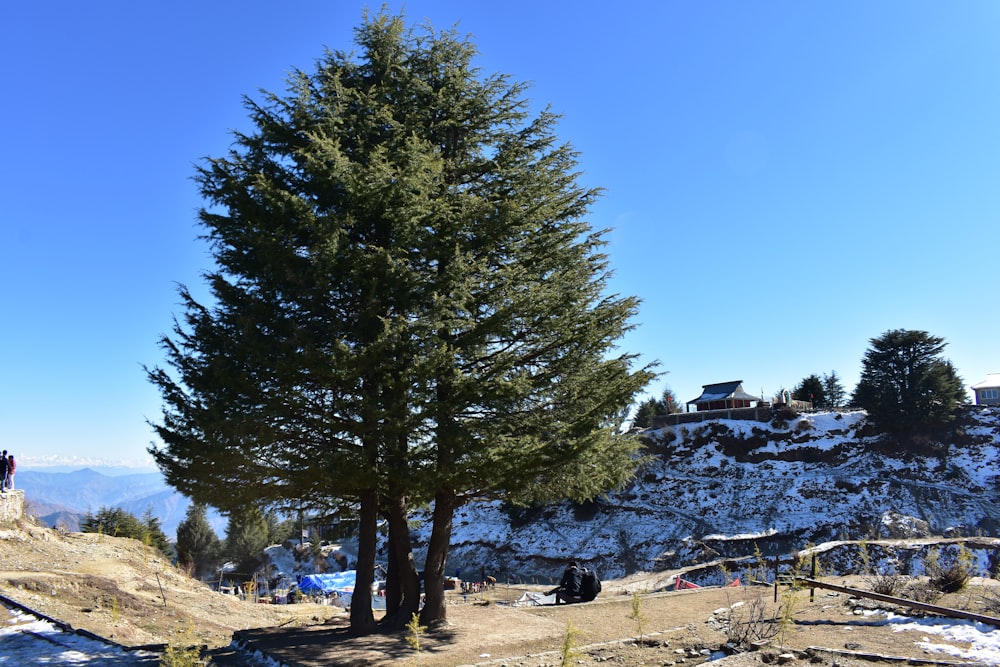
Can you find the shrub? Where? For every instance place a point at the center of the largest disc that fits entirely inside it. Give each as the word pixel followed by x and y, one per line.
pixel 569 652
pixel 416 631
pixel 921 591
pixel 636 614
pixel 886 582
pixel 952 577
pixel 181 651
pixel 884 579
pixel 991 601
pixel 181 656
pixel 750 622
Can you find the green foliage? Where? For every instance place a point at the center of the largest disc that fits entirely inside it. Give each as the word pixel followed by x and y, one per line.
pixel 654 407
pixel 636 614
pixel 198 546
pixel 811 389
pixel 118 522
pixel 949 575
pixel 246 538
pixel 825 392
pixel 182 651
pixel 154 535
pixel 761 571
pixel 181 656
pixel 786 611
pixel 905 383
pixel 863 561
pixel 408 302
pixel 415 634
pixel 833 391
pixel 568 651
pixel 281 530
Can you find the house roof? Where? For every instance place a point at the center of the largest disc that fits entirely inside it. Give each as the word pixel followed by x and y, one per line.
pixel 992 380
pixel 722 391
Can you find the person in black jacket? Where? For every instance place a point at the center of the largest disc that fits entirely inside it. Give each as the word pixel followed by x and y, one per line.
pixel 11 467
pixel 3 471
pixel 570 587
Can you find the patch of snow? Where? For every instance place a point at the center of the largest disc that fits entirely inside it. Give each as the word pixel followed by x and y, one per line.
pixel 689 495
pixel 28 641
pixel 742 536
pixel 983 640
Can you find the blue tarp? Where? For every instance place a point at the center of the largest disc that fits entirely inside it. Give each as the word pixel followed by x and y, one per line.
pixel 341 582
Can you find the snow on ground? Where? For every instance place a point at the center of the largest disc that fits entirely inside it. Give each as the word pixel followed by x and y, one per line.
pixel 983 641
pixel 27 641
pixel 284 564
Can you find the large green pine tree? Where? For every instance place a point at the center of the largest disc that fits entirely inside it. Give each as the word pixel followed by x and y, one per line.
pixel 197 544
pixel 833 390
pixel 153 534
pixel 906 383
pixel 246 538
pixel 409 307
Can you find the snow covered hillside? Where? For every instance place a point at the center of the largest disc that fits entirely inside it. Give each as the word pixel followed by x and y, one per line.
pixel 729 487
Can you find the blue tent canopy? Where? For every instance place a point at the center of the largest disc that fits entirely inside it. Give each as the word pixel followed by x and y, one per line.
pixel 341 582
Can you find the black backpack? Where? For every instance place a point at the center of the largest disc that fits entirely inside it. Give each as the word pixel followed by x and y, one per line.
pixel 590 586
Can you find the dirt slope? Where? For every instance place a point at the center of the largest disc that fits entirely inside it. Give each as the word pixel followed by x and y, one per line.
pixel 122 590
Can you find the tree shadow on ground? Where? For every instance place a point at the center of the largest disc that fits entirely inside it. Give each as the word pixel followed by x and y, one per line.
pixel 336 646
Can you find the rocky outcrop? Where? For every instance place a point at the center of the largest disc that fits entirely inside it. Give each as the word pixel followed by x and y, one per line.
pixel 11 506
pixel 731 488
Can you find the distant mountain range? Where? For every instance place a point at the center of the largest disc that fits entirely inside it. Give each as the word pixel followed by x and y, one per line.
pixel 64 498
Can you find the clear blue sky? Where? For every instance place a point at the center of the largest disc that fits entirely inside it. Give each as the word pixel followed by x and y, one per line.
pixel 785 180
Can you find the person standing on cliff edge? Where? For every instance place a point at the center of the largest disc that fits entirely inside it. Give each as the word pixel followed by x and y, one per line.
pixel 8 482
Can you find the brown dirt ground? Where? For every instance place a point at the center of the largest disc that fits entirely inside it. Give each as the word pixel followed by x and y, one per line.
pixel 122 590
pixel 677 627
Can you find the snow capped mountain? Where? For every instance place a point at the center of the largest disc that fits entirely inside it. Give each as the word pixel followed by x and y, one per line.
pixel 64 498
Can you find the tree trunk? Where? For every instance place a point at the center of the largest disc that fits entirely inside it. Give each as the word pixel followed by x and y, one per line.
pixel 393 586
pixel 404 567
pixel 362 618
pixel 435 610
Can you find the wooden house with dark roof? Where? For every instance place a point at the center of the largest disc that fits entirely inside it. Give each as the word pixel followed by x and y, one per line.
pixel 723 396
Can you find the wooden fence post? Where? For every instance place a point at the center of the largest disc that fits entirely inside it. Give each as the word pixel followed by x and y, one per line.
pixel 812 575
pixel 776 560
